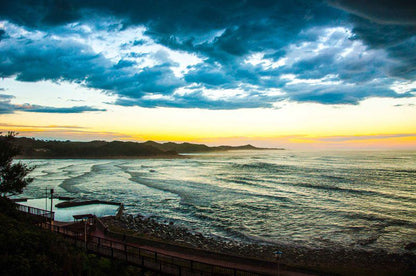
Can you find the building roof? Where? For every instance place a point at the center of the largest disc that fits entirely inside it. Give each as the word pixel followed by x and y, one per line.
pixel 84 216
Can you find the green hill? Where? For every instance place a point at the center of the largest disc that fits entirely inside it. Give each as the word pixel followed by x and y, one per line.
pixel 191 148
pixel 33 148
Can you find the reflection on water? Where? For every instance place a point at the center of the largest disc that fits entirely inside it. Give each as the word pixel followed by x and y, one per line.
pixel 353 199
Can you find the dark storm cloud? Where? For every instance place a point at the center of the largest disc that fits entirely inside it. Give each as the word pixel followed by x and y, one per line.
pixel 234 74
pixel 198 100
pixel 248 25
pixel 39 13
pixel 339 94
pixel 397 40
pixel 398 12
pixel 5 106
pixel 223 34
pixel 2 34
pixel 48 59
pixel 184 17
pixel 388 25
pixel 350 68
pixel 51 59
pixel 209 75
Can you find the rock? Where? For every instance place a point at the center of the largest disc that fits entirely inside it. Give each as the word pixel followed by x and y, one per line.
pixel 120 211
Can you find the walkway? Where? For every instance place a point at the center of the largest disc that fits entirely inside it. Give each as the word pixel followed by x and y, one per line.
pixel 196 258
pixel 164 258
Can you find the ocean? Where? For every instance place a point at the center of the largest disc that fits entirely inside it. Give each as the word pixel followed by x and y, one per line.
pixel 361 199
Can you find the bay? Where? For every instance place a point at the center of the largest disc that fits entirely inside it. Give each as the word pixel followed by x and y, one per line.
pixel 361 199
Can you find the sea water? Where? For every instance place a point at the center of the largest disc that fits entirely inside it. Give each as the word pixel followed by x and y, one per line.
pixel 318 199
pixel 67 214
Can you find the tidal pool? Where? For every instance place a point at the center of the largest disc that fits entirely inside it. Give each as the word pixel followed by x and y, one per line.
pixel 66 214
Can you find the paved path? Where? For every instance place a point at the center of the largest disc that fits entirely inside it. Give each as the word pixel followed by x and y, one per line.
pixel 205 257
pixel 268 268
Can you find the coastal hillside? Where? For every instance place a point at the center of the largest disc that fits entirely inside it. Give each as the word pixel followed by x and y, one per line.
pixel 189 148
pixel 33 148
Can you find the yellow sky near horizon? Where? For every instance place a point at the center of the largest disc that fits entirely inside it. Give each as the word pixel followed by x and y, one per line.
pixel 374 123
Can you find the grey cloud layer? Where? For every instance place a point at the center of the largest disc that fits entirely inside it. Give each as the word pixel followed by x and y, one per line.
pixel 224 34
pixel 6 107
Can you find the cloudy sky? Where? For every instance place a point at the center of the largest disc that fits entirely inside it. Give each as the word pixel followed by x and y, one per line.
pixel 297 74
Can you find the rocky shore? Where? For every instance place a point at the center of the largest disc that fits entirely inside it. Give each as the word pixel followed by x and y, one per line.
pixel 334 261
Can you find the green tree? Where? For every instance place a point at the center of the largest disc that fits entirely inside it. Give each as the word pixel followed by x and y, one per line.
pixel 13 175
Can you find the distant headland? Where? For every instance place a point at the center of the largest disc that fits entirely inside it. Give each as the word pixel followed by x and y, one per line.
pixel 34 148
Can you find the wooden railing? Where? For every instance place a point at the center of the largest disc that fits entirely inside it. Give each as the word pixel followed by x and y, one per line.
pixel 150 259
pixel 134 254
pixel 36 211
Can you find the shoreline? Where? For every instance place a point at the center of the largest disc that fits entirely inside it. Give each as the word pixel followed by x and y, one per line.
pixel 181 155
pixel 103 157
pixel 343 261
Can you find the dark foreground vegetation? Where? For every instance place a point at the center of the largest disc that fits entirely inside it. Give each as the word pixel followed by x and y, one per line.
pixel 26 249
pixel 33 148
